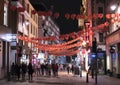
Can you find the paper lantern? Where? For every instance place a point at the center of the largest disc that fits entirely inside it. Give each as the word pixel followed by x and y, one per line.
pixel 108 16
pixel 100 15
pixel 56 15
pixel 67 16
pixel 113 15
pixel 78 16
pixel 33 12
pixel 112 20
pixel 13 8
pixel 106 24
pixel 73 16
pixel 21 9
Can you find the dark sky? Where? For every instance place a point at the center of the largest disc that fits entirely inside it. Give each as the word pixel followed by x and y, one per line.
pixel 63 7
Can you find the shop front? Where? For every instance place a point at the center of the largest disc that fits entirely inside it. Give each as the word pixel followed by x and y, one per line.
pixel 113 53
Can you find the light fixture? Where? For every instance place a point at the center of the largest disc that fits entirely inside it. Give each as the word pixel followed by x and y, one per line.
pixel 113 7
pixel 27 22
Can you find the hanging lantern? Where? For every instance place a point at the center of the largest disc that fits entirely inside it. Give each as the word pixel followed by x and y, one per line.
pixel 73 16
pixel 113 15
pixel 67 16
pixel 33 12
pixel 21 9
pixel 13 8
pixel 56 15
pixel 95 16
pixel 112 20
pixel 106 24
pixel 100 16
pixel 118 20
pixel 108 16
pixel 78 16
pixel 90 17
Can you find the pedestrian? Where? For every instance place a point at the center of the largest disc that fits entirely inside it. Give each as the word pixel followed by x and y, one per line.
pixel 80 70
pixel 38 69
pixel 24 70
pixel 12 70
pixel 30 71
pixel 72 68
pixel 53 69
pixel 17 70
pixel 56 69
pixel 42 68
pixel 68 69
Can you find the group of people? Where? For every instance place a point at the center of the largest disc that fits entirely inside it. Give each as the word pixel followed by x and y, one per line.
pixel 21 69
pixel 45 69
pixel 75 69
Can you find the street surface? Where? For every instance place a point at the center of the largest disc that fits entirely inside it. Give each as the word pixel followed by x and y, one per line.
pixel 64 79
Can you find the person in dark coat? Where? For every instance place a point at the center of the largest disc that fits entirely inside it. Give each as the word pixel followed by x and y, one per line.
pixel 68 69
pixel 42 68
pixel 23 68
pixel 17 70
pixel 30 71
pixel 13 70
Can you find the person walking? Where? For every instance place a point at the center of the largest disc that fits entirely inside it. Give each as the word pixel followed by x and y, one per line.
pixel 30 71
pixel 68 69
pixel 24 69
pixel 12 70
pixel 17 70
pixel 80 70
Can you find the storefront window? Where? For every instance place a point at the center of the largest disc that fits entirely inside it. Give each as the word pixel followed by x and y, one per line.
pixel 5 15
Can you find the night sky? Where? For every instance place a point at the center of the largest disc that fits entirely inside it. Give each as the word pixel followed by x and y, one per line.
pixel 63 7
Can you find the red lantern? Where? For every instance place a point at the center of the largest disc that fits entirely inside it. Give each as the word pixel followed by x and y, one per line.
pixel 21 9
pixel 33 12
pixel 90 17
pixel 73 16
pixel 112 20
pixel 95 16
pixel 113 15
pixel 118 19
pixel 56 15
pixel 100 15
pixel 106 24
pixel 67 15
pixel 108 16
pixel 13 8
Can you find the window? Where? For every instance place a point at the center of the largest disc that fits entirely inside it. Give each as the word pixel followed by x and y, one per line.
pixel 100 9
pixel 31 29
pixel 28 8
pixel 5 15
pixel 100 37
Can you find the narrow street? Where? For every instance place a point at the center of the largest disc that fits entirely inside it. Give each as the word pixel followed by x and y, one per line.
pixel 64 79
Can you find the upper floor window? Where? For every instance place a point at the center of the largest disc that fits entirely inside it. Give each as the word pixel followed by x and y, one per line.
pixel 5 15
pixel 100 9
pixel 100 37
pixel 21 1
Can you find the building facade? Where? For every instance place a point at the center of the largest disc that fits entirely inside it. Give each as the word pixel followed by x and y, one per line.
pixel 25 24
pixel 113 39
pixel 99 7
pixel 5 38
pixel 16 19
